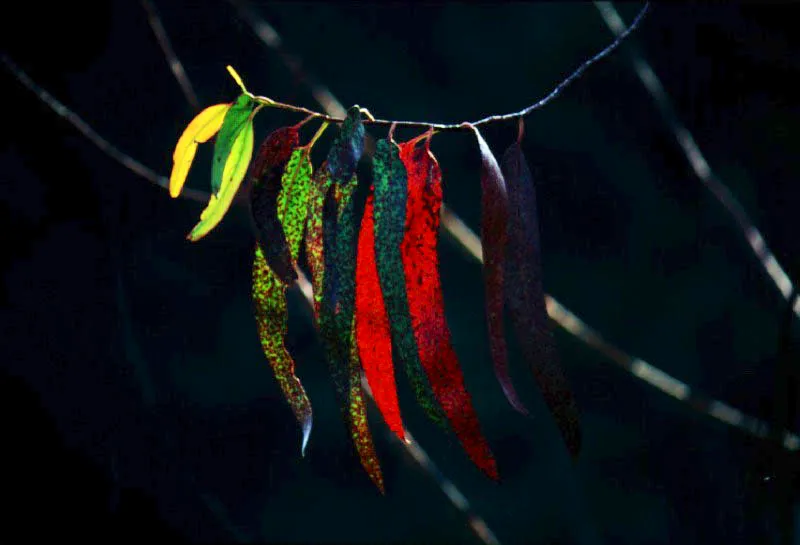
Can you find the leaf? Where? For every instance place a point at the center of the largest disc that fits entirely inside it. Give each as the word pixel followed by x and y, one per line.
pixel 390 193
pixel 293 198
pixel 267 172
pixel 233 173
pixel 525 297
pixel 340 260
pixel 338 292
pixel 269 297
pixel 426 302
pixel 200 129
pixel 494 219
pixel 331 252
pixel 274 152
pixel 236 119
pixel 357 421
pixel 347 148
pixel 314 235
pixel 337 236
pixel 373 335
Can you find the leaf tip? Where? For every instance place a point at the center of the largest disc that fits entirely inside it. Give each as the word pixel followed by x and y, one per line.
pixel 306 435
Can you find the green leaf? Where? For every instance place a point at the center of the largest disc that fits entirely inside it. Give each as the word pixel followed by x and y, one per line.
pixel 390 189
pixel 293 198
pixel 234 170
pixel 269 296
pixel 236 119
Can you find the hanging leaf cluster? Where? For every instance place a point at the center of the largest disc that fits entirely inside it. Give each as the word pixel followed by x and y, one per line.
pixel 376 287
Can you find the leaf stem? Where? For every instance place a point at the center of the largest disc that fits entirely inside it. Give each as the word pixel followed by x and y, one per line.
pixel 317 135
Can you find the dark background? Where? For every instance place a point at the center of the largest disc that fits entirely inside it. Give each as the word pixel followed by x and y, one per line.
pixel 137 402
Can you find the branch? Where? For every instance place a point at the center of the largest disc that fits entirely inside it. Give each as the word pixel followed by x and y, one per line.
pixel 270 37
pixel 85 129
pixel 698 162
pixel 175 65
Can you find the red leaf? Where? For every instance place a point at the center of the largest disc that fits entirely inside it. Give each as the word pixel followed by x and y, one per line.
pixel 426 303
pixel 373 334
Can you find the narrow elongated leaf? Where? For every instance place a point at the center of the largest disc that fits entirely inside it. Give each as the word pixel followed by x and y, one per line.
pixel 269 296
pixel 314 235
pixel 338 168
pixel 293 198
pixel 426 303
pixel 338 294
pixel 347 148
pixel 330 248
pixel 373 335
pixel 235 168
pixel 494 219
pixel 357 421
pixel 200 129
pixel 335 230
pixel 340 281
pixel 525 297
pixel 344 250
pixel 339 222
pixel 390 193
pixel 236 119
pixel 266 174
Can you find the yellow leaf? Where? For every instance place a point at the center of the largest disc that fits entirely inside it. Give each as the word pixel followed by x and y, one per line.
pixel 232 176
pixel 200 129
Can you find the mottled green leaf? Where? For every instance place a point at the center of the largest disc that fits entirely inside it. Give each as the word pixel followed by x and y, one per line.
pixel 390 194
pixel 293 198
pixel 269 297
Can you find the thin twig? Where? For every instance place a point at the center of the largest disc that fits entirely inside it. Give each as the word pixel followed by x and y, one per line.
pixel 698 162
pixel 175 65
pixel 85 129
pixel 271 38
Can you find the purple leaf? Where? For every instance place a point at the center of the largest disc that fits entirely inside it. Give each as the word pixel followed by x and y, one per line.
pixel 525 297
pixel 494 220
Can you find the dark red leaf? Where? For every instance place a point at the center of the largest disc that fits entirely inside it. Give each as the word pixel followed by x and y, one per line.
pixel 525 297
pixel 494 219
pixel 265 175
